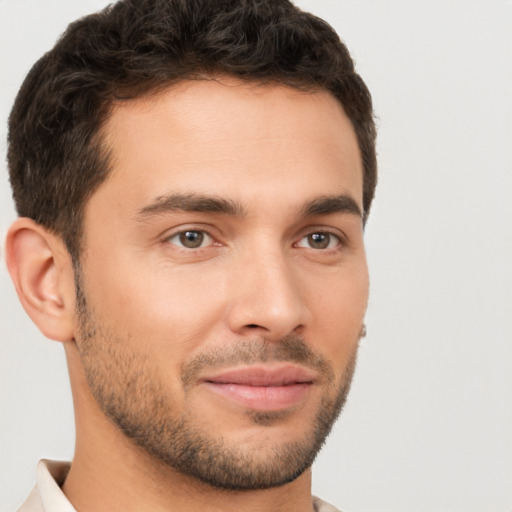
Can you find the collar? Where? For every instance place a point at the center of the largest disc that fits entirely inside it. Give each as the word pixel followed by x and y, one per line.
pixel 50 476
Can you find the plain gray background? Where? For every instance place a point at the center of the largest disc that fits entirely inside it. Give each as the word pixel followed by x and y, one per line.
pixel 428 426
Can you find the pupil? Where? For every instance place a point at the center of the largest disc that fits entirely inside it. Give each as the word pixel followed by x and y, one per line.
pixel 191 239
pixel 319 240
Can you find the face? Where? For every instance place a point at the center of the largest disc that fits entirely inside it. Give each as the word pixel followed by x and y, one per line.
pixel 223 282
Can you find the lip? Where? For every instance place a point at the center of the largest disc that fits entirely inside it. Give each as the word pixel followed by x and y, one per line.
pixel 262 387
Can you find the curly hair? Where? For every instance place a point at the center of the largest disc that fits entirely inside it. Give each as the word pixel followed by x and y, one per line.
pixel 56 155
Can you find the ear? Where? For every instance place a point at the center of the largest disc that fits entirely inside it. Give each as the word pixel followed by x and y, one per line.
pixel 42 272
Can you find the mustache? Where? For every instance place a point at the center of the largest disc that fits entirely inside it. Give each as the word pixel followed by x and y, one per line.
pixel 290 349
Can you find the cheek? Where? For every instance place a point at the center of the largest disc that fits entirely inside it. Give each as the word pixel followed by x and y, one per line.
pixel 167 311
pixel 339 314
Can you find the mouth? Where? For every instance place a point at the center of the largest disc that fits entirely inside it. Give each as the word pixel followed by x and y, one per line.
pixel 262 387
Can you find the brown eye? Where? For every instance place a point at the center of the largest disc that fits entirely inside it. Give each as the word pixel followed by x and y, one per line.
pixel 191 239
pixel 319 240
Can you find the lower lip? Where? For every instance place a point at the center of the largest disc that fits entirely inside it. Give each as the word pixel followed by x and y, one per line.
pixel 262 398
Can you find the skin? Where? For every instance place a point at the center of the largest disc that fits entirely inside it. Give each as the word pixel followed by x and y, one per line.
pixel 256 279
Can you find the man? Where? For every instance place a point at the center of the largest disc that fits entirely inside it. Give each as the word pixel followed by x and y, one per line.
pixel 192 180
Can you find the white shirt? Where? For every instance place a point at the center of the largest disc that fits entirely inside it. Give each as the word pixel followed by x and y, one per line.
pixel 47 495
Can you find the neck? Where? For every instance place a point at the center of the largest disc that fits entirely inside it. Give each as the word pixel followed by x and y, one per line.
pixel 110 472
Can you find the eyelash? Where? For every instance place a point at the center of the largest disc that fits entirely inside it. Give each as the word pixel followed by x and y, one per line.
pixel 184 232
pixel 339 240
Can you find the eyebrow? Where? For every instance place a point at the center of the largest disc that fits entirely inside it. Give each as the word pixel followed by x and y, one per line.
pixel 326 205
pixel 191 203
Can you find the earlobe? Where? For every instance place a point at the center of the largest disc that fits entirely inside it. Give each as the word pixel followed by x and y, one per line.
pixel 42 273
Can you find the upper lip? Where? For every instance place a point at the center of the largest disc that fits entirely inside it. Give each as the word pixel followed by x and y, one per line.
pixel 262 375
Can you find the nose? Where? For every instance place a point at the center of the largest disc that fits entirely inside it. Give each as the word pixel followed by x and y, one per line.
pixel 267 297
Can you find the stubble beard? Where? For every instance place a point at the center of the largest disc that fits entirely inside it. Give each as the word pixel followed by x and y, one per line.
pixel 127 388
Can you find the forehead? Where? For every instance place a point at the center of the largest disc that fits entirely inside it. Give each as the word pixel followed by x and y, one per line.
pixel 224 134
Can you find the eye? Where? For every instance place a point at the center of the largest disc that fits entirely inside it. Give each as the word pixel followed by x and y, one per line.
pixel 319 240
pixel 191 239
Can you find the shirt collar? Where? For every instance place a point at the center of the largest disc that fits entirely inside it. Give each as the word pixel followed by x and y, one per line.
pixel 50 476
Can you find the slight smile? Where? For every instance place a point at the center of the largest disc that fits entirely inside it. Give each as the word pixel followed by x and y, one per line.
pixel 262 387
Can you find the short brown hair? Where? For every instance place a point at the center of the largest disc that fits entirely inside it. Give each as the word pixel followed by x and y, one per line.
pixel 56 156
